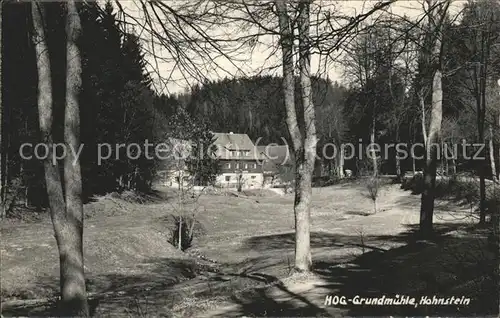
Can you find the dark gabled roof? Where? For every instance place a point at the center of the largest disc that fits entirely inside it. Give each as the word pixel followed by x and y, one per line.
pixel 233 141
pixel 227 142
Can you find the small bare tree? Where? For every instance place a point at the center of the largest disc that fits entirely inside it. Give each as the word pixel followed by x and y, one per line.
pixel 373 187
pixel 193 162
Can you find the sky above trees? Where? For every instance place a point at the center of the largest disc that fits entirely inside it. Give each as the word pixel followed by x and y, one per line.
pixel 170 77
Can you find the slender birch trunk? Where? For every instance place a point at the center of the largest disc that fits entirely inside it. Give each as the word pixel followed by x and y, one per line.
pixel 427 205
pixel 372 150
pixel 340 162
pixel 434 136
pixel 492 156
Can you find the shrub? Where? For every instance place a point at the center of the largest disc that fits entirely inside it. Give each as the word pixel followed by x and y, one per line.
pixel 415 183
pixel 188 227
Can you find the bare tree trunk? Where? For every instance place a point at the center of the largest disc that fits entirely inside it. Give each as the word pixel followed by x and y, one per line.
pixel 373 154
pixel 492 157
pixel 303 209
pixel 480 104
pixel 443 159
pixel 67 217
pixel 6 177
pixel 424 125
pixel 427 205
pixel 496 238
pixel 2 199
pixel 305 148
pixel 52 177
pixel 398 168
pixel 340 163
pixel 434 136
pixel 180 188
pixel 179 245
pixel 446 166
pixel 72 267
pixel 454 154
pixel 498 155
pixel 398 161
pixel 482 196
pixel 286 36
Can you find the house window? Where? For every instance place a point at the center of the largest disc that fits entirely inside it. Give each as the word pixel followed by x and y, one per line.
pixel 255 166
pixel 228 165
pixel 253 177
pixel 237 166
pixel 246 166
pixel 228 178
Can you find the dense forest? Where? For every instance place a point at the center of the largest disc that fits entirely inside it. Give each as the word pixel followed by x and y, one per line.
pixel 118 105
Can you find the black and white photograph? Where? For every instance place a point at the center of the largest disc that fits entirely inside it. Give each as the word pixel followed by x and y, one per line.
pixel 249 158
